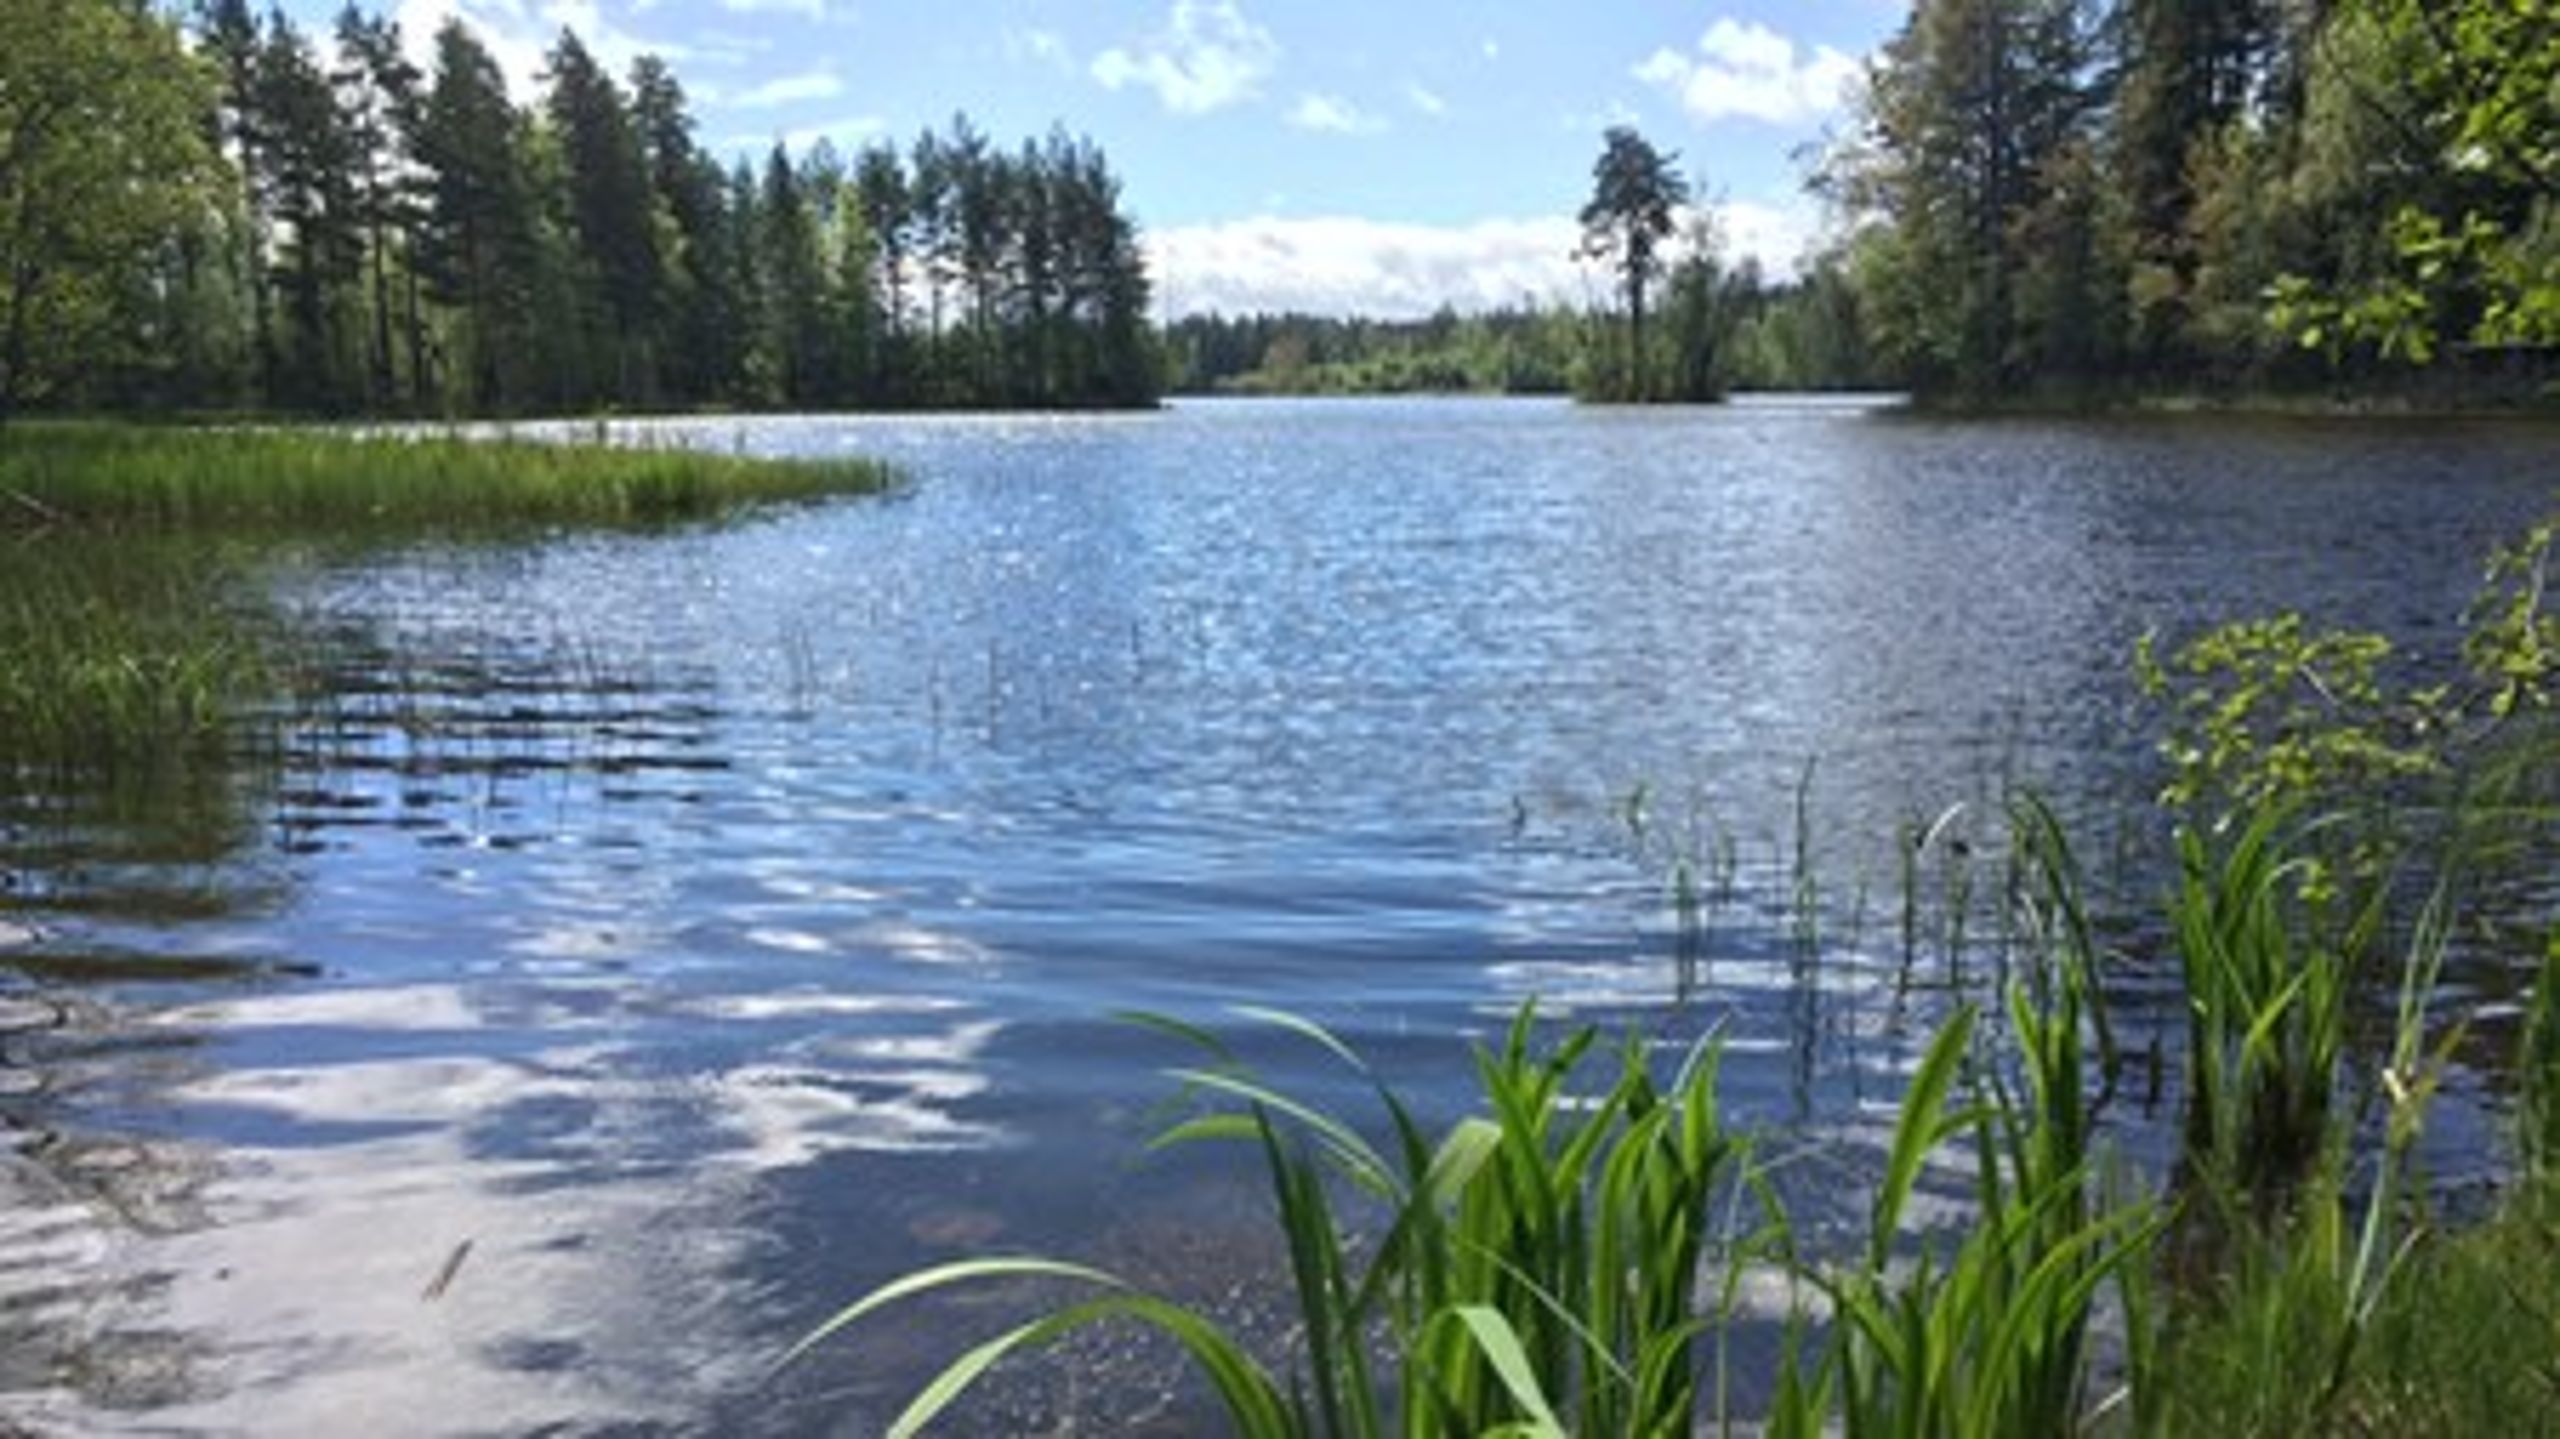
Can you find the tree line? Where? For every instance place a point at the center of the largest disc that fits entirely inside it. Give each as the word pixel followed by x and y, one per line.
pixel 1733 327
pixel 230 215
pixel 2054 195
pixel 1516 350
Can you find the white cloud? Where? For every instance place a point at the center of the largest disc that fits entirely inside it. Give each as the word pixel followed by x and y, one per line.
pixel 1425 100
pixel 784 90
pixel 1746 69
pixel 722 47
pixel 1344 265
pixel 1331 114
pixel 519 34
pixel 1209 56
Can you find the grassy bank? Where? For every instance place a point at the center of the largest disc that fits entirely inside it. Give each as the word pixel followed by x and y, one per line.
pixel 97 475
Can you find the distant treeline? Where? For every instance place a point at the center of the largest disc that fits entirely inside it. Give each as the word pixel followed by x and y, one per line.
pixel 1522 351
pixel 1727 329
pixel 332 230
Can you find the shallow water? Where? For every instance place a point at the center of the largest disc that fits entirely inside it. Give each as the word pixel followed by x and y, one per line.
pixel 656 940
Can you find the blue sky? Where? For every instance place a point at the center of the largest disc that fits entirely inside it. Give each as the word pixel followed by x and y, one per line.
pixel 1379 155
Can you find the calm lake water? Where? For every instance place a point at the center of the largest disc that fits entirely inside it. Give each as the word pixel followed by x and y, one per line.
pixel 657 940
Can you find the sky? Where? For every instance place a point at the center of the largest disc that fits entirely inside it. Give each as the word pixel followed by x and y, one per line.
pixel 1382 157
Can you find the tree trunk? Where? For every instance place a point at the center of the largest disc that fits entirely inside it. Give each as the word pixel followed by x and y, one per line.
pixel 1635 337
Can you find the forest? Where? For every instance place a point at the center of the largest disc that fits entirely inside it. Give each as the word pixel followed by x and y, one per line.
pixel 2049 201
pixel 2182 195
pixel 227 215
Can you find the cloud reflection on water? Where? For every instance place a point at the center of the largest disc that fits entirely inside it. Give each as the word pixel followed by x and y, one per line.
pixel 293 1296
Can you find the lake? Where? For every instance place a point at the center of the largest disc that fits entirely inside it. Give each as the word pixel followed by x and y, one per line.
pixel 649 942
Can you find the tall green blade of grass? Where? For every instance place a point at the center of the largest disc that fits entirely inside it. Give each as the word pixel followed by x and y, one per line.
pixel 2538 1073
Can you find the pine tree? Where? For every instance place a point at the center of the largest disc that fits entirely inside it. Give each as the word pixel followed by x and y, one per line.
pixel 1968 110
pixel 313 158
pixel 379 95
pixel 1636 192
pixel 612 217
pixel 699 318
pixel 477 250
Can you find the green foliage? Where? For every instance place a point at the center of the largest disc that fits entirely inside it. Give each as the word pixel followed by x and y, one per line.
pixel 1971 114
pixel 103 161
pixel 2268 713
pixel 2315 1318
pixel 2471 254
pixel 2538 1073
pixel 2149 194
pixel 1536 1273
pixel 1512 351
pixel 2512 642
pixel 389 241
pixel 2273 715
pixel 2460 1342
pixel 1729 328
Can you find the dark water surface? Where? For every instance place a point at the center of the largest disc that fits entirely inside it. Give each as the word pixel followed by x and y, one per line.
pixel 663 938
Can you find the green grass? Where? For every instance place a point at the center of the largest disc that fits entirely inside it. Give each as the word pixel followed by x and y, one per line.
pixel 2463 1340
pixel 129 477
pixel 118 656
pixel 1533 1271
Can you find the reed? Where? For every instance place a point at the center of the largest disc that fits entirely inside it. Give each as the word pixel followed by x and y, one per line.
pixel 1995 1334
pixel 56 475
pixel 2317 1317
pixel 2267 1015
pixel 1536 1270
pixel 113 658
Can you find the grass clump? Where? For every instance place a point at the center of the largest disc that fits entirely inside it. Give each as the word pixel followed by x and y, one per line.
pixel 1536 1271
pixel 118 658
pixel 129 477
pixel 2395 1323
pixel 2267 1016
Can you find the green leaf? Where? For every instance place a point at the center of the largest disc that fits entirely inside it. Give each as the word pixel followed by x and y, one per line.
pixel 1500 1344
